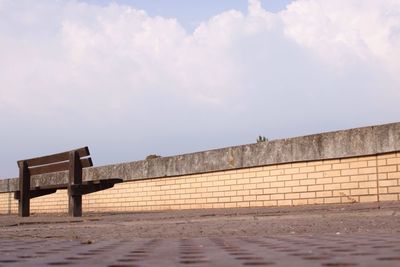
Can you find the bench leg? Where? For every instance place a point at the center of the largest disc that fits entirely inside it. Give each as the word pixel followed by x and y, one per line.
pixel 75 178
pixel 24 188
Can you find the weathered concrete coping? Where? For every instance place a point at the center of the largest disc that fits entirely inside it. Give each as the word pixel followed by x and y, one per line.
pixel 340 144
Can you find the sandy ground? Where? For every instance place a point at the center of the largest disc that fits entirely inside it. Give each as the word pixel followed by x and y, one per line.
pixel 310 220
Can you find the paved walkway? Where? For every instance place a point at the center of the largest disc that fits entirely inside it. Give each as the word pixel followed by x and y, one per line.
pixel 342 235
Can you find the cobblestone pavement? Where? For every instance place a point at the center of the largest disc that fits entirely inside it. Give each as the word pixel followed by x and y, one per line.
pixel 343 235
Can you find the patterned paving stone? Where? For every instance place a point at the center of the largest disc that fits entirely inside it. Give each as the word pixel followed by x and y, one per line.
pixel 283 250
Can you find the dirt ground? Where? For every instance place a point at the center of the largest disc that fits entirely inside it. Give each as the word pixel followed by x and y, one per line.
pixel 310 220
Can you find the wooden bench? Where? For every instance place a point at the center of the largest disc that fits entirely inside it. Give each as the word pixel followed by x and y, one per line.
pixel 72 161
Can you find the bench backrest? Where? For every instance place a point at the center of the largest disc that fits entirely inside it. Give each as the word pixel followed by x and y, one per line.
pixel 72 161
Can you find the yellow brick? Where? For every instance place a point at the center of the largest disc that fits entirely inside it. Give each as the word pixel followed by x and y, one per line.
pixel 391 168
pixel 300 202
pixel 331 186
pixel 230 182
pixel 270 191
pixel 256 203
pixel 393 175
pixel 387 156
pixel 284 202
pixel 373 191
pixel 367 184
pixel 299 189
pixel 270 203
pixel 245 170
pixel 382 162
pixel 264 197
pixel 372 163
pixel 299 164
pixel 388 183
pixel 314 163
pixel 207 184
pixel 284 177
pixel 368 198
pixel 240 198
pixel 299 176
pixel 307 195
pixel 315 201
pixel 332 173
pixel 331 200
pixel 389 197
pixel 248 198
pixel 341 166
pixel 250 186
pixel 394 189
pixel 249 175
pixel 307 169
pixel 217 183
pixel 292 195
pixel 367 170
pixel 292 183
pixel 315 187
pixel 326 167
pixel 206 195
pixel 307 182
pixel 262 173
pixel 243 181
pixel 315 175
pixel 357 192
pixel 393 161
pixel 348 160
pixel 284 189
pixel 218 194
pixel 270 179
pixel 382 176
pixel 277 184
pixel 292 171
pixel 341 179
pixel 256 180
pixel 331 161
pixel 243 204
pixel 230 193
pixel 223 199
pixel 268 168
pixel 277 172
pixel 324 194
pixel 358 164
pixel 349 199
pixel 278 196
pixel 256 192
pixel 242 192
pixel 368 158
pixel 324 181
pixel 236 187
pixel 230 176
pixel 358 178
pixel 285 166
pixel 349 185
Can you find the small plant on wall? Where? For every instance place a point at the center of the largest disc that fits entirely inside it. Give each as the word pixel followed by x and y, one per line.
pixel 261 139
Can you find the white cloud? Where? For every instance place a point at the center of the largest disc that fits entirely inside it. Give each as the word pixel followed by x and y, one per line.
pixel 135 81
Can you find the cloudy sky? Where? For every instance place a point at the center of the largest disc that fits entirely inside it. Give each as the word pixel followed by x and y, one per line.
pixel 133 78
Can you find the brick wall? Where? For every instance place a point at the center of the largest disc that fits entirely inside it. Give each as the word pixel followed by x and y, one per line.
pixel 349 180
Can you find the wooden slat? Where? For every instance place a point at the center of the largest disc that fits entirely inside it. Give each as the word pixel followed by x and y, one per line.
pixel 36 193
pixel 64 156
pixel 57 167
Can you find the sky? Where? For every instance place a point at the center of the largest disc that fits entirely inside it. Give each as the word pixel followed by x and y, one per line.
pixel 134 78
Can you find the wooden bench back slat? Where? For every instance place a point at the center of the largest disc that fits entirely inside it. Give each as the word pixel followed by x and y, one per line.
pixel 57 167
pixel 64 156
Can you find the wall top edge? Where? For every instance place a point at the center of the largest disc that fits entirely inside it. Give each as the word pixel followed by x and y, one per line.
pixel 364 141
